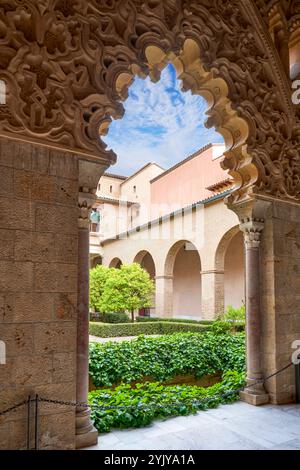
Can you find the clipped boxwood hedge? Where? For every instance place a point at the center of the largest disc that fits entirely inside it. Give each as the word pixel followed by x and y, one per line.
pixel 111 330
pixel 173 320
pixel 119 317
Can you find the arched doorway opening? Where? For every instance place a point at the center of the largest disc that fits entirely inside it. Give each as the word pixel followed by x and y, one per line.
pixel 234 272
pixel 230 269
pixel 145 259
pixel 115 263
pixel 183 267
pixel 95 261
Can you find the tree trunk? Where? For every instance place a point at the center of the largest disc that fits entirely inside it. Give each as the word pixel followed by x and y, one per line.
pixel 132 315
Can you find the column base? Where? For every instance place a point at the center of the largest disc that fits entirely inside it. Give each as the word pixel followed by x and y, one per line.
pixel 86 433
pixel 255 399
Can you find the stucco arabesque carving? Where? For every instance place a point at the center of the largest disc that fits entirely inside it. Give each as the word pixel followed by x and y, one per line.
pixel 68 64
pixel 252 229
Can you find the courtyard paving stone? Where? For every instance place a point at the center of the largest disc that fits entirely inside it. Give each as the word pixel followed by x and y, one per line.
pixel 232 427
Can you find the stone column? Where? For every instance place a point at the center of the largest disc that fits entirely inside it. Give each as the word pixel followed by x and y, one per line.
pixel 254 394
pixel 163 296
pixel 86 434
pixel 212 284
pixel 89 175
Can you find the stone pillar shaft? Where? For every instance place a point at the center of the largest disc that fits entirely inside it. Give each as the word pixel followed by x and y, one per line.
pixel 212 295
pixel 86 434
pixel 164 296
pixel 253 324
pixel 254 394
pixel 83 315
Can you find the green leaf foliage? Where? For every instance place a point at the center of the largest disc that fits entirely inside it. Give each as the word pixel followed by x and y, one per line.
pixel 104 330
pixel 234 314
pixel 137 407
pixel 128 288
pixel 98 278
pixel 166 356
pixel 119 290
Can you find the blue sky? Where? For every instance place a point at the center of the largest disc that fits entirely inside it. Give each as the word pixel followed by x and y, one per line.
pixel 160 124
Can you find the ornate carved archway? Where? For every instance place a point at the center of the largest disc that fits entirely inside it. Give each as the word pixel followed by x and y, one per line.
pixel 67 65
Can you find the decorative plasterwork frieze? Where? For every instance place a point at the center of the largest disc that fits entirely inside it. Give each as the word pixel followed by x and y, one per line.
pixel 67 66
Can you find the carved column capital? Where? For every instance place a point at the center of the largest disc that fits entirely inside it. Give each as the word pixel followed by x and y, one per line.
pixel 252 215
pixel 89 175
pixel 85 204
pixel 252 229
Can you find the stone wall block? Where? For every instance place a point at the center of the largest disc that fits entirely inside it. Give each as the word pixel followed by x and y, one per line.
pixel 55 337
pixel 63 165
pixel 66 191
pixel 6 307
pixel 65 307
pixel 66 248
pixel 64 391
pixel 32 370
pixel 57 431
pixel 64 368
pixel 7 152
pixel 57 219
pixel 55 277
pixel 18 339
pixel 16 214
pixel 16 276
pixel 35 246
pixel 40 157
pixel 6 244
pixel 32 307
pixel 37 187
pixel 6 187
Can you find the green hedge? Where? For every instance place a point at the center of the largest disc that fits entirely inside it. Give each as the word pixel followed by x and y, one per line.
pixel 164 357
pixel 111 330
pixel 120 317
pixel 152 400
pixel 172 320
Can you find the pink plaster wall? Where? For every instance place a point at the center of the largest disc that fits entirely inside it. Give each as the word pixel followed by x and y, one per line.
pixel 186 183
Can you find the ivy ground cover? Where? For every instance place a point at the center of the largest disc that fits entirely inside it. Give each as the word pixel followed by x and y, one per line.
pixel 165 357
pixel 162 358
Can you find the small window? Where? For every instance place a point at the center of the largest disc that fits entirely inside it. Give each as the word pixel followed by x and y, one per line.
pixel 110 189
pixel 134 189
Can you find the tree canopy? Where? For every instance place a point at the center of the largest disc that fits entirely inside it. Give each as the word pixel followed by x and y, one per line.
pixel 118 290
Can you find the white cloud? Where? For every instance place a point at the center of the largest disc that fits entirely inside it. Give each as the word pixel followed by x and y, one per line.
pixel 160 124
